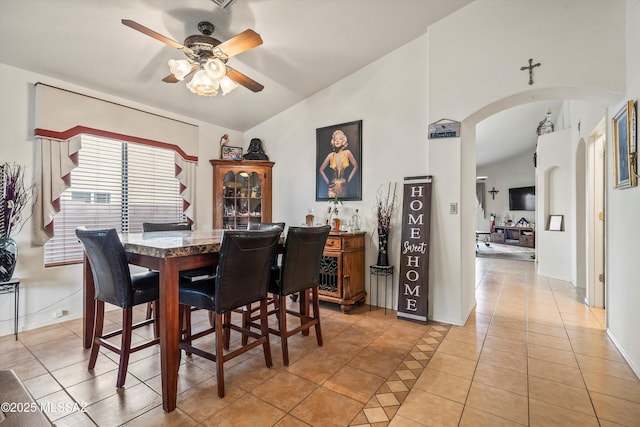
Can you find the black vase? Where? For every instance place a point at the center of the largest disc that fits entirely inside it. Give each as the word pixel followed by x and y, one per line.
pixel 8 258
pixel 383 241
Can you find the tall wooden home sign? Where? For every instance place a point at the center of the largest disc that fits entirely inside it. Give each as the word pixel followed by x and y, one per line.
pixel 413 286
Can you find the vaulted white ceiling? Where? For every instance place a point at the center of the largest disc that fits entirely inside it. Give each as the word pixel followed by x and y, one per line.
pixel 308 45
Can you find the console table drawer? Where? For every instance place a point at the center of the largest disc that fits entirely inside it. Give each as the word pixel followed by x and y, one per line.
pixel 333 243
pixel 497 237
pixel 527 241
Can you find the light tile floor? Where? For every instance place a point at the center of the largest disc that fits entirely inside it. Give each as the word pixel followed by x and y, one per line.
pixel 531 354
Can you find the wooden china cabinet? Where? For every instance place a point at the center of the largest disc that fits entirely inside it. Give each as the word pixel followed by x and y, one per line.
pixel 241 192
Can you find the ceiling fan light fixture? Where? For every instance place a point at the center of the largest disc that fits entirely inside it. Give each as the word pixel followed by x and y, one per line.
pixel 227 85
pixel 215 68
pixel 179 68
pixel 202 84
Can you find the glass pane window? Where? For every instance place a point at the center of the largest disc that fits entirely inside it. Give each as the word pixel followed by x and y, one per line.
pixel 116 185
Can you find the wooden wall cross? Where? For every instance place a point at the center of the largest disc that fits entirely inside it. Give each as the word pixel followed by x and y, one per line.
pixel 530 67
pixel 493 192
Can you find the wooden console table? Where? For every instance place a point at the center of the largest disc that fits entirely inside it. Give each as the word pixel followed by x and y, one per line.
pixel 520 236
pixel 342 270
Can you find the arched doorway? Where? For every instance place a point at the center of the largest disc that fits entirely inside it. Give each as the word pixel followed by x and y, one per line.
pixel 591 103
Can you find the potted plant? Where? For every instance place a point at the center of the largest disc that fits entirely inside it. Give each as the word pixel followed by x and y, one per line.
pixel 14 197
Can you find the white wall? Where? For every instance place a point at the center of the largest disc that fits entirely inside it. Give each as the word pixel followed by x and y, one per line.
pixel 555 197
pixel 474 71
pixel 517 171
pixel 45 290
pixel 477 52
pixel 622 285
pixel 391 102
pixel 576 52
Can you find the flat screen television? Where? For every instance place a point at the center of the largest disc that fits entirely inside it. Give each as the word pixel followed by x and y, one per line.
pixel 522 199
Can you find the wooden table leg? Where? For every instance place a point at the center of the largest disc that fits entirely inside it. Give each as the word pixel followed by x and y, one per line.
pixel 169 332
pixel 88 306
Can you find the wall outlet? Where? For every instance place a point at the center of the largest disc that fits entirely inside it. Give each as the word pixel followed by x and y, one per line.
pixel 59 313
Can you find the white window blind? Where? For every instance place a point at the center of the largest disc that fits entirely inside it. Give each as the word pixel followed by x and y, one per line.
pixel 116 185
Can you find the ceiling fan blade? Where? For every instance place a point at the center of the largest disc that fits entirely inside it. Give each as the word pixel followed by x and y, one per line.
pixel 144 30
pixel 244 41
pixel 170 79
pixel 244 80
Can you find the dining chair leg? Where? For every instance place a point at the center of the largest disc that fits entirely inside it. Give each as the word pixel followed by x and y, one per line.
pixel 125 347
pixel 149 310
pixel 156 320
pixel 264 325
pixel 282 320
pixel 246 319
pixel 304 309
pixel 280 304
pixel 316 314
pixel 97 332
pixel 219 354
pixel 185 319
pixel 226 330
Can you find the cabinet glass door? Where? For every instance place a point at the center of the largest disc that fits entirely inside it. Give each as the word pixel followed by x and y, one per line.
pixel 242 199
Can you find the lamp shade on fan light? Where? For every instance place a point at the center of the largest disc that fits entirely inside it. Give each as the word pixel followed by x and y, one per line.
pixel 202 84
pixel 179 68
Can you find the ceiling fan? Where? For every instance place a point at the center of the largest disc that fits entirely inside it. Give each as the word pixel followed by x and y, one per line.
pixel 207 59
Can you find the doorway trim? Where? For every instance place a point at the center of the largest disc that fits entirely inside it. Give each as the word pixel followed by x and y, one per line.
pixel 596 173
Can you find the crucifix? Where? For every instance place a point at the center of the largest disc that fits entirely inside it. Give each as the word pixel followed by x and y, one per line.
pixel 493 192
pixel 530 68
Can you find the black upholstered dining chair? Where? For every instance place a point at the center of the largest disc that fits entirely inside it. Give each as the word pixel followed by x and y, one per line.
pixel 299 273
pixel 265 225
pixel 114 284
pixel 242 278
pixel 250 313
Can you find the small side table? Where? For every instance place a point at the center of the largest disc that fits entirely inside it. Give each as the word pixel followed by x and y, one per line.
pixel 386 272
pixel 13 286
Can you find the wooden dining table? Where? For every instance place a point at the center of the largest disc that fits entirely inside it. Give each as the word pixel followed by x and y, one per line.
pixel 168 252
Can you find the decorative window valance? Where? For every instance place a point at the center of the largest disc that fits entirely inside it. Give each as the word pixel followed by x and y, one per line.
pixel 61 116
pixel 54 162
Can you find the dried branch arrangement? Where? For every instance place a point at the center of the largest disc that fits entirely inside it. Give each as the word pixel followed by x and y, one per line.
pixel 385 205
pixel 14 197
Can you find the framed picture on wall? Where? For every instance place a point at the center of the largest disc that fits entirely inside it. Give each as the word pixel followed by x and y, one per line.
pixel 555 222
pixel 625 147
pixel 339 162
pixel 231 153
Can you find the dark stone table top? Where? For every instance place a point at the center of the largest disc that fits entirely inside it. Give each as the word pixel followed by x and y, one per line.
pixel 168 244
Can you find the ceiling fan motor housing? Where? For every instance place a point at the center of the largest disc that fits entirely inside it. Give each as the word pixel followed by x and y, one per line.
pixel 201 45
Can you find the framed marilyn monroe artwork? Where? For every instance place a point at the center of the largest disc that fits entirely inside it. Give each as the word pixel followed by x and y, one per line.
pixel 339 162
